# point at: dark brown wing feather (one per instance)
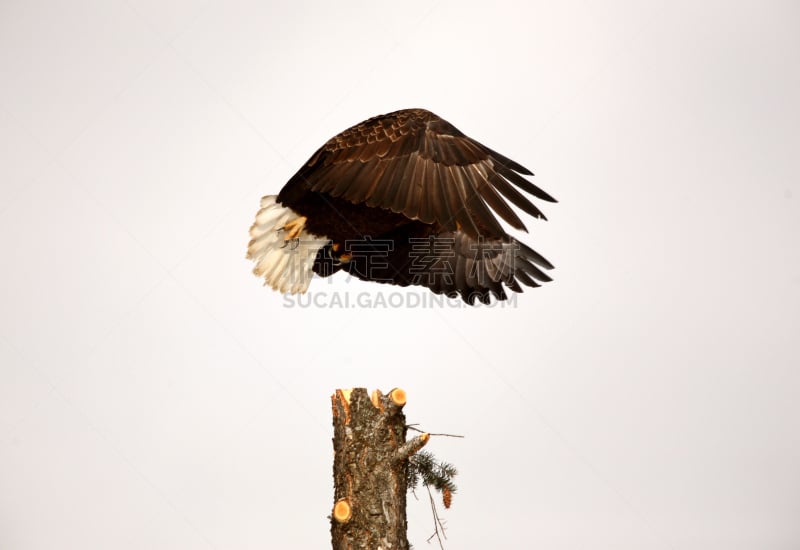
(415, 163)
(456, 265)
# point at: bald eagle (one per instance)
(403, 198)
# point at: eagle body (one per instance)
(403, 198)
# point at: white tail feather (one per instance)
(286, 266)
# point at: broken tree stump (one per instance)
(370, 470)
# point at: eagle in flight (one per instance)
(403, 198)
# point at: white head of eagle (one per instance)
(403, 198)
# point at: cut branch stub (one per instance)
(342, 512)
(398, 397)
(410, 447)
(370, 470)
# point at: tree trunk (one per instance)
(370, 470)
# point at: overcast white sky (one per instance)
(154, 395)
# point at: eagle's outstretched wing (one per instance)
(418, 164)
(455, 264)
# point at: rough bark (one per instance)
(370, 470)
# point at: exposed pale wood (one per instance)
(342, 512)
(398, 397)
